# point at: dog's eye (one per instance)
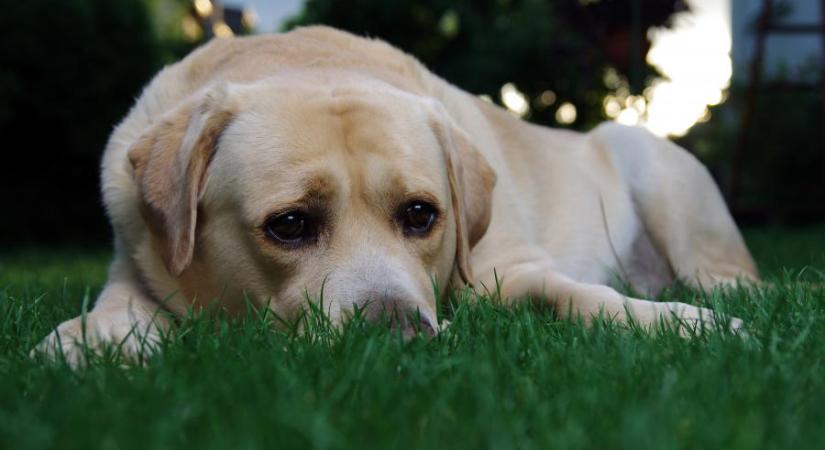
(417, 218)
(292, 228)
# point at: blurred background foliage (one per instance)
(70, 70)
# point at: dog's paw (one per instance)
(692, 320)
(78, 338)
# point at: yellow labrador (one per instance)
(278, 167)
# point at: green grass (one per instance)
(497, 378)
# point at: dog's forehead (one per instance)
(359, 119)
(352, 137)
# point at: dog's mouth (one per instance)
(412, 325)
(409, 322)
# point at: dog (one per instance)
(315, 163)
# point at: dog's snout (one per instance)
(409, 320)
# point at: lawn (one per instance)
(496, 379)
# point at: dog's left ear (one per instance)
(471, 187)
(170, 162)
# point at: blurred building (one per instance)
(211, 18)
(794, 56)
(270, 14)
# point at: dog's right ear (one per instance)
(170, 162)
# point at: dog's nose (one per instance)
(399, 315)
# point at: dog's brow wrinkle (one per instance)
(319, 187)
(341, 107)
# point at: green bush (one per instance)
(479, 45)
(69, 71)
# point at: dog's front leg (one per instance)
(588, 301)
(124, 317)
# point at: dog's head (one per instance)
(357, 196)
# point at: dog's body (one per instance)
(216, 139)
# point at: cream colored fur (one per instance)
(244, 126)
